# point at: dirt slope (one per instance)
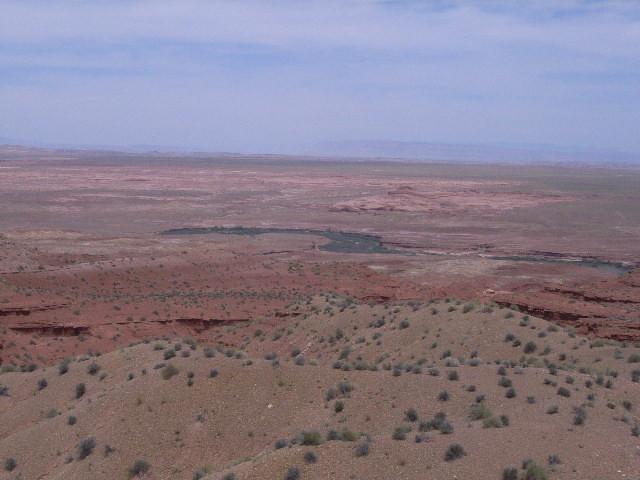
(376, 362)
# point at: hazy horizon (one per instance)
(297, 77)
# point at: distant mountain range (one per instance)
(431, 151)
(389, 150)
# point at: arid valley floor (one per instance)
(262, 317)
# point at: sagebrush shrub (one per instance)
(454, 452)
(85, 447)
(80, 390)
(139, 467)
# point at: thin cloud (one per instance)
(254, 76)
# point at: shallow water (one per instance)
(343, 242)
(613, 267)
(349, 242)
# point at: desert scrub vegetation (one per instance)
(80, 390)
(86, 447)
(93, 368)
(439, 422)
(454, 452)
(580, 415)
(169, 371)
(634, 358)
(139, 468)
(343, 389)
(480, 411)
(411, 415)
(400, 433)
(310, 457)
(345, 435)
(362, 449)
(200, 473)
(10, 464)
(505, 382)
(510, 473)
(443, 396)
(533, 471)
(312, 437)
(293, 473)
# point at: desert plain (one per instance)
(173, 316)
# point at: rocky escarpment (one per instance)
(51, 329)
(607, 309)
(28, 310)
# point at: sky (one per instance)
(288, 75)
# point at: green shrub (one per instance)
(400, 433)
(534, 472)
(479, 411)
(492, 422)
(311, 438)
(634, 358)
(348, 436)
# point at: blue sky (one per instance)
(285, 75)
